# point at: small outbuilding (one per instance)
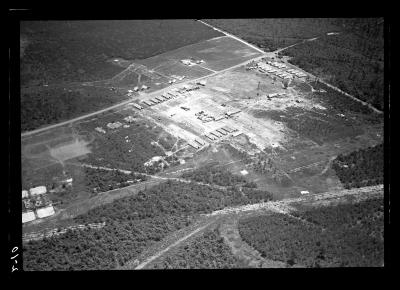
(28, 216)
(45, 211)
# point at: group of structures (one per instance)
(175, 78)
(174, 93)
(36, 204)
(118, 124)
(191, 61)
(221, 132)
(207, 117)
(137, 89)
(197, 143)
(277, 69)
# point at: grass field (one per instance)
(218, 54)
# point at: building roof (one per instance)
(28, 216)
(25, 194)
(45, 211)
(38, 190)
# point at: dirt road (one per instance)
(176, 243)
(245, 251)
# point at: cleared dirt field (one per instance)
(69, 151)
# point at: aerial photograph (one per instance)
(239, 143)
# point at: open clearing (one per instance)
(235, 119)
(69, 151)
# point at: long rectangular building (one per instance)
(221, 131)
(216, 134)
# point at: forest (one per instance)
(363, 167)
(44, 106)
(265, 165)
(346, 235)
(356, 68)
(124, 148)
(214, 174)
(271, 34)
(338, 102)
(69, 51)
(100, 180)
(132, 224)
(205, 252)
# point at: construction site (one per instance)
(220, 107)
(209, 95)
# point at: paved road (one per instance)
(25, 134)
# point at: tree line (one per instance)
(363, 167)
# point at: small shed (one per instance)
(45, 211)
(28, 216)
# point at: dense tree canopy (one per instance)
(363, 167)
(132, 224)
(335, 236)
(206, 252)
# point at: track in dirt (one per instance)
(245, 251)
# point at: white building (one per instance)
(187, 62)
(303, 192)
(136, 89)
(45, 211)
(38, 190)
(28, 216)
(137, 106)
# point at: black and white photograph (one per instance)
(212, 143)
